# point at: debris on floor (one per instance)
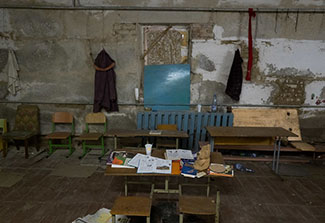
(240, 167)
(103, 215)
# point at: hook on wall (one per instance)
(276, 21)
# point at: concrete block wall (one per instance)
(55, 45)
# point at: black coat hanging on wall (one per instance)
(105, 89)
(235, 78)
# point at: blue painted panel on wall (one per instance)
(167, 87)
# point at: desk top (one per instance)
(147, 133)
(248, 132)
(215, 157)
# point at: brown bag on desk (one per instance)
(203, 158)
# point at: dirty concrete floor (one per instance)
(248, 197)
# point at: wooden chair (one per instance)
(61, 119)
(91, 120)
(133, 206)
(3, 130)
(198, 205)
(27, 127)
(166, 142)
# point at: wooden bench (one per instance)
(285, 118)
(269, 117)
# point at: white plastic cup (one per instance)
(148, 149)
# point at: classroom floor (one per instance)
(39, 196)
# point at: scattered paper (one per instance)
(136, 159)
(177, 154)
(103, 215)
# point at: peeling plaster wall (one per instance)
(277, 56)
(55, 49)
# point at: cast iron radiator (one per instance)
(193, 123)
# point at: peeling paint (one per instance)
(220, 55)
(218, 31)
(289, 91)
(255, 94)
(318, 89)
(309, 2)
(292, 57)
(251, 2)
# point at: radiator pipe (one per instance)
(167, 9)
(191, 105)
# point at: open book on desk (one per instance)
(119, 159)
(121, 162)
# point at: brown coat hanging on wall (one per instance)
(105, 79)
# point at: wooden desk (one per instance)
(273, 133)
(125, 133)
(215, 157)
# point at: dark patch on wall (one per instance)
(291, 91)
(3, 58)
(202, 31)
(125, 32)
(205, 63)
(196, 78)
(208, 89)
(72, 106)
(313, 128)
(3, 89)
(8, 111)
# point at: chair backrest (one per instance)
(96, 119)
(62, 117)
(167, 127)
(27, 118)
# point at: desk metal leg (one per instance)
(217, 207)
(166, 183)
(115, 142)
(208, 187)
(126, 186)
(278, 157)
(212, 143)
(176, 143)
(274, 155)
(166, 189)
